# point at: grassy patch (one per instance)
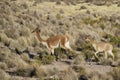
(79, 59)
(113, 39)
(12, 33)
(60, 53)
(3, 66)
(89, 21)
(25, 57)
(47, 59)
(4, 53)
(115, 73)
(4, 75)
(4, 39)
(80, 70)
(24, 71)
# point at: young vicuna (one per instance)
(54, 41)
(99, 47)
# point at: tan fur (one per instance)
(54, 41)
(101, 47)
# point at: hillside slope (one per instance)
(23, 57)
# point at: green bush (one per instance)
(113, 39)
(59, 16)
(60, 53)
(47, 59)
(89, 21)
(102, 25)
(88, 51)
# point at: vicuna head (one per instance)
(89, 39)
(36, 30)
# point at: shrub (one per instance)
(4, 39)
(80, 70)
(39, 72)
(4, 53)
(15, 60)
(36, 62)
(68, 74)
(47, 59)
(115, 73)
(59, 16)
(89, 21)
(98, 76)
(88, 51)
(25, 57)
(113, 39)
(60, 53)
(22, 43)
(24, 71)
(12, 33)
(79, 59)
(31, 41)
(25, 32)
(102, 25)
(4, 75)
(3, 65)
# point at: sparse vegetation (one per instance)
(22, 57)
(47, 59)
(115, 73)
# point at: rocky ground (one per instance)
(23, 57)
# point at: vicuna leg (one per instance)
(96, 55)
(105, 55)
(52, 51)
(110, 52)
(67, 45)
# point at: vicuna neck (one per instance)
(39, 37)
(92, 41)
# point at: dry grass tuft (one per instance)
(115, 73)
(4, 53)
(18, 18)
(3, 66)
(4, 39)
(25, 57)
(25, 32)
(79, 59)
(4, 75)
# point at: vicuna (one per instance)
(54, 42)
(99, 47)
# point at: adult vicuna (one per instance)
(54, 42)
(99, 47)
